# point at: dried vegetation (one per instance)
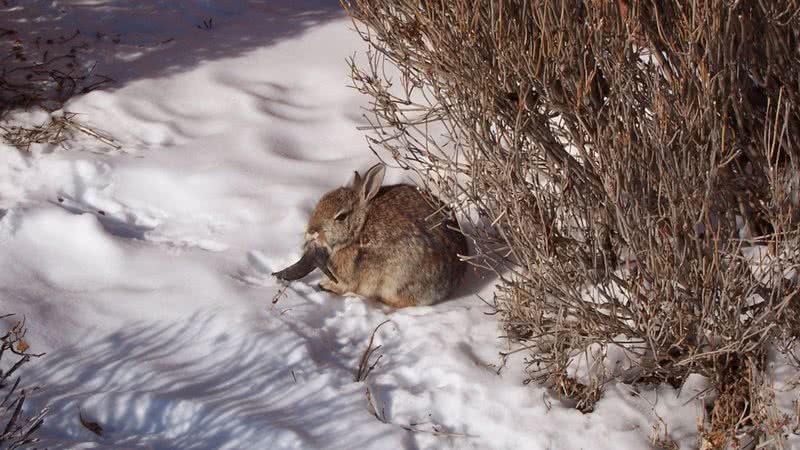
(18, 429)
(43, 73)
(629, 168)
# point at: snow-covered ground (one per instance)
(144, 271)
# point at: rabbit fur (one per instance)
(387, 243)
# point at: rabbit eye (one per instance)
(341, 215)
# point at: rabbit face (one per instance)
(339, 216)
(336, 219)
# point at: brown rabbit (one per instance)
(387, 243)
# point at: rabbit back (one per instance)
(406, 253)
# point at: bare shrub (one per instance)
(629, 168)
(16, 428)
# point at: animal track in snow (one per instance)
(92, 191)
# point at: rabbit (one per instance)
(387, 243)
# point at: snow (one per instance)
(143, 271)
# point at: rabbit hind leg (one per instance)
(399, 301)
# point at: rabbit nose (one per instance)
(316, 238)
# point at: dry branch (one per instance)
(18, 429)
(364, 366)
(43, 74)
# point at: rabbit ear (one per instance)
(355, 183)
(372, 182)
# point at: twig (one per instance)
(364, 368)
(278, 295)
(382, 418)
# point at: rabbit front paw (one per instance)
(331, 286)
